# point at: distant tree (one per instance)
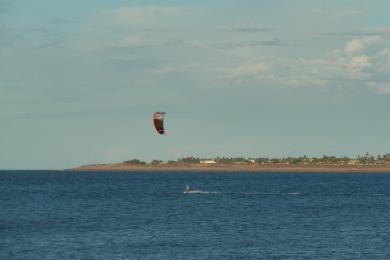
(329, 159)
(224, 160)
(294, 160)
(275, 160)
(156, 162)
(240, 159)
(171, 162)
(365, 159)
(315, 159)
(386, 157)
(371, 159)
(189, 160)
(135, 161)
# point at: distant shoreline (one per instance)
(235, 168)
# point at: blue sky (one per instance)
(79, 80)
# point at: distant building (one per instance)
(207, 161)
(352, 162)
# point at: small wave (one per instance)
(293, 193)
(201, 192)
(271, 193)
(245, 193)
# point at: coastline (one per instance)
(236, 168)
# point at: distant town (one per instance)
(365, 159)
(362, 163)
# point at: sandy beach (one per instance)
(236, 168)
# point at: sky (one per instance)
(79, 80)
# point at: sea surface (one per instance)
(135, 215)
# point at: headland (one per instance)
(300, 164)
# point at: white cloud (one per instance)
(274, 70)
(381, 61)
(358, 45)
(384, 53)
(354, 46)
(359, 63)
(356, 63)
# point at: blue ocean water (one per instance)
(122, 215)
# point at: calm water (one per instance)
(118, 215)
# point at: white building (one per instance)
(353, 162)
(207, 161)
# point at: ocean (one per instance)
(146, 215)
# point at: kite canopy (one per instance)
(158, 122)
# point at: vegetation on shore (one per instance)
(365, 159)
